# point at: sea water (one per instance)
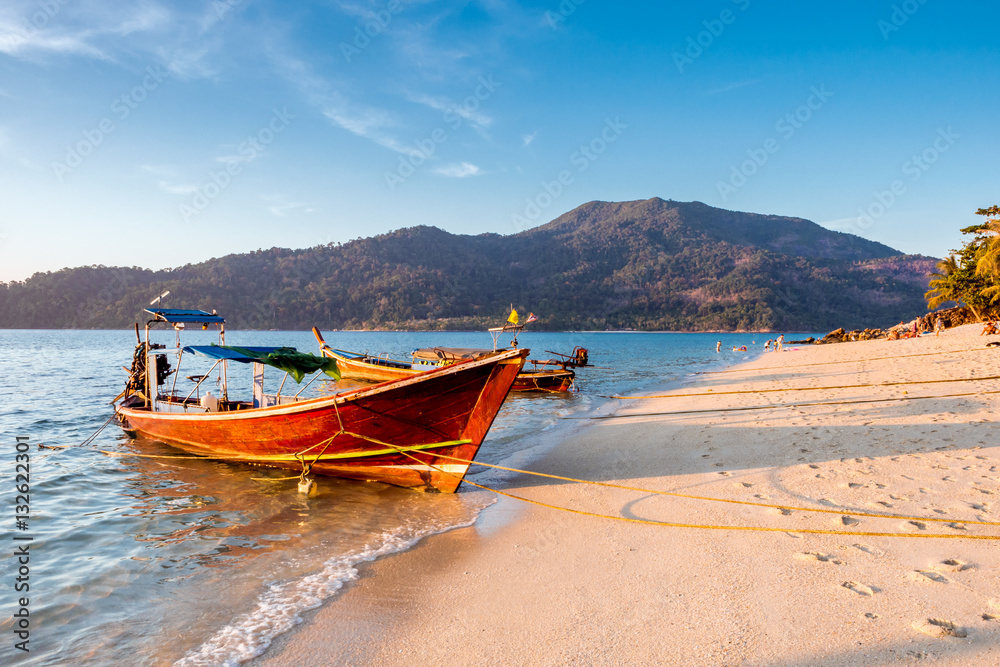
(158, 561)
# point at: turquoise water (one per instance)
(199, 562)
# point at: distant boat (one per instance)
(380, 368)
(398, 432)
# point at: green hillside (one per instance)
(650, 264)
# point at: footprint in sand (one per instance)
(779, 510)
(859, 588)
(869, 550)
(956, 525)
(938, 627)
(898, 497)
(982, 507)
(994, 613)
(885, 504)
(849, 521)
(814, 466)
(919, 524)
(819, 557)
(933, 576)
(871, 615)
(953, 565)
(855, 485)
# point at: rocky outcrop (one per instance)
(841, 336)
(950, 317)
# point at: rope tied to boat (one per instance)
(93, 436)
(724, 500)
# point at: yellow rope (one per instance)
(762, 529)
(788, 405)
(845, 386)
(718, 500)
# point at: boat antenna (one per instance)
(159, 298)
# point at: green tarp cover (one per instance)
(295, 363)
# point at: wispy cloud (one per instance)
(280, 206)
(93, 30)
(180, 189)
(472, 115)
(528, 139)
(368, 123)
(460, 170)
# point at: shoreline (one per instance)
(530, 585)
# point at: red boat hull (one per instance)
(358, 434)
(550, 381)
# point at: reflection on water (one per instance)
(161, 558)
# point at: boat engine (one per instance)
(137, 373)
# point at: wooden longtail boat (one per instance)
(395, 432)
(379, 368)
(357, 366)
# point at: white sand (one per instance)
(530, 585)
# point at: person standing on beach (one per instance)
(767, 345)
(938, 326)
(780, 343)
(718, 346)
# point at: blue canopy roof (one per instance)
(177, 315)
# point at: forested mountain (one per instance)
(650, 264)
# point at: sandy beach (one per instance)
(536, 586)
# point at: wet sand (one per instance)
(532, 585)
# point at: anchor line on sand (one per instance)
(669, 524)
(776, 406)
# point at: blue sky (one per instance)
(160, 133)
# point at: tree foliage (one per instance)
(971, 274)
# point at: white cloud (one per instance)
(181, 189)
(368, 123)
(86, 29)
(528, 139)
(467, 112)
(461, 170)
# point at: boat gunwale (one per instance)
(325, 402)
